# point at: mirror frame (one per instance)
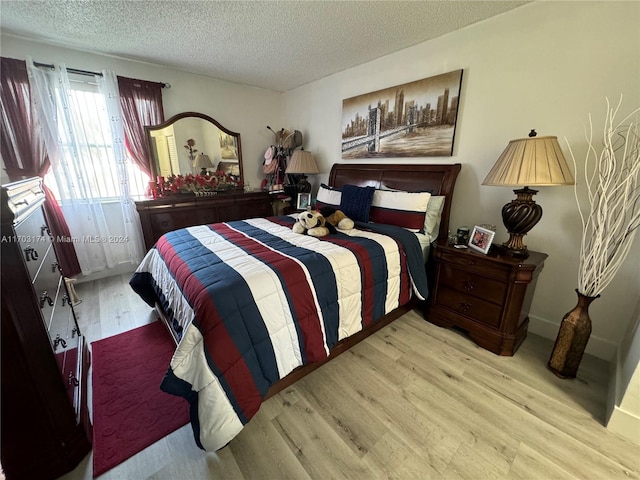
(153, 161)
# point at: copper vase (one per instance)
(572, 339)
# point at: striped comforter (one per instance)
(252, 301)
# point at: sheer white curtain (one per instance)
(78, 129)
(108, 87)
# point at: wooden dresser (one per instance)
(162, 215)
(489, 296)
(46, 429)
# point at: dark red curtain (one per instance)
(24, 154)
(141, 103)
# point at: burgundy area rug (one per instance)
(130, 412)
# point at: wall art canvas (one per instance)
(416, 119)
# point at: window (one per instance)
(94, 149)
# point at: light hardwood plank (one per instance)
(531, 465)
(317, 446)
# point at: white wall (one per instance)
(623, 403)
(545, 65)
(239, 108)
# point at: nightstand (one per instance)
(489, 296)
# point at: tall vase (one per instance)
(572, 339)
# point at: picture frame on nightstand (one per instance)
(304, 201)
(480, 239)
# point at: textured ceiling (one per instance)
(277, 45)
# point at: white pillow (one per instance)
(402, 209)
(328, 196)
(433, 216)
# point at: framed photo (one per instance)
(480, 239)
(304, 201)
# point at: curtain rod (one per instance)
(84, 72)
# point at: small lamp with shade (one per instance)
(204, 162)
(302, 162)
(533, 161)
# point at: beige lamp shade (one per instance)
(302, 161)
(533, 161)
(202, 161)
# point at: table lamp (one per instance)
(302, 162)
(532, 161)
(202, 161)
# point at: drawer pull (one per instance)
(59, 341)
(164, 223)
(45, 298)
(72, 380)
(468, 286)
(472, 262)
(30, 253)
(465, 307)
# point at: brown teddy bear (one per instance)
(320, 223)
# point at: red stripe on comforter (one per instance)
(300, 295)
(218, 344)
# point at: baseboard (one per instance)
(625, 424)
(598, 347)
(120, 269)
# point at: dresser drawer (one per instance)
(253, 206)
(473, 284)
(477, 264)
(33, 229)
(170, 220)
(61, 325)
(66, 341)
(33, 237)
(472, 307)
(46, 285)
(68, 363)
(48, 270)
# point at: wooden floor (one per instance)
(412, 401)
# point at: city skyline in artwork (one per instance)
(416, 119)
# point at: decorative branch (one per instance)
(611, 221)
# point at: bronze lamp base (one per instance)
(519, 217)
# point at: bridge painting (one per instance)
(416, 119)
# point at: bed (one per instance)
(253, 306)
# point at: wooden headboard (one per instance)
(436, 179)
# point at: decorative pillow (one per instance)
(432, 218)
(356, 202)
(328, 197)
(402, 209)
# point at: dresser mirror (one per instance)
(179, 144)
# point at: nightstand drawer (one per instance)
(471, 262)
(472, 284)
(473, 307)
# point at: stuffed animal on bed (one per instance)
(320, 223)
